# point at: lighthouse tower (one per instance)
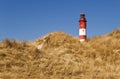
(82, 27)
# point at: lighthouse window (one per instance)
(83, 30)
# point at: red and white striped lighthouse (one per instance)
(82, 27)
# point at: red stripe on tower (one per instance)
(82, 27)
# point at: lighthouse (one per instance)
(82, 27)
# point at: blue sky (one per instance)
(31, 19)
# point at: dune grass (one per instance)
(61, 56)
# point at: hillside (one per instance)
(58, 55)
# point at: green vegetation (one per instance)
(61, 56)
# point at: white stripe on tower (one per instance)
(82, 28)
(82, 31)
